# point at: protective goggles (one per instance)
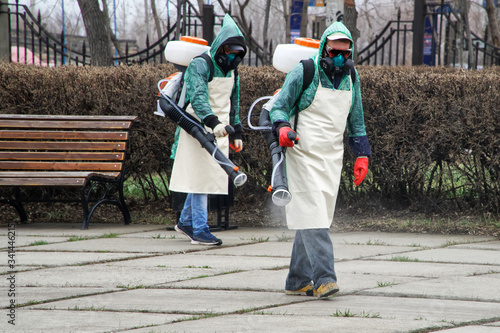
(333, 53)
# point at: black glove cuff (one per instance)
(211, 121)
(237, 133)
(278, 124)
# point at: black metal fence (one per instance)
(390, 46)
(31, 43)
(393, 45)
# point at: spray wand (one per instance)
(207, 140)
(281, 196)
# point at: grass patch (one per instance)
(385, 284)
(75, 238)
(404, 258)
(260, 239)
(284, 238)
(41, 242)
(348, 313)
(110, 235)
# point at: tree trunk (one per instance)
(493, 22)
(304, 19)
(112, 36)
(464, 10)
(97, 33)
(267, 55)
(350, 21)
(156, 18)
(179, 14)
(286, 16)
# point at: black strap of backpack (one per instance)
(308, 65)
(209, 63)
(210, 75)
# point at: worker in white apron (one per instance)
(216, 105)
(314, 160)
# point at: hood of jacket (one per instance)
(228, 34)
(334, 27)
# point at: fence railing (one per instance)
(31, 43)
(393, 45)
(390, 46)
(483, 53)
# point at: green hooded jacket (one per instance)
(197, 75)
(283, 108)
(198, 72)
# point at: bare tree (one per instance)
(265, 30)
(304, 19)
(493, 22)
(350, 21)
(246, 27)
(156, 19)
(97, 28)
(112, 36)
(286, 15)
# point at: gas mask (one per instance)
(336, 65)
(228, 62)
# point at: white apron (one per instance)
(314, 165)
(194, 170)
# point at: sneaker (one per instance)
(185, 230)
(306, 291)
(326, 289)
(205, 238)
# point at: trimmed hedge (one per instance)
(434, 132)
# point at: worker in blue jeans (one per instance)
(194, 216)
(215, 103)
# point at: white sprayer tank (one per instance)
(181, 52)
(286, 56)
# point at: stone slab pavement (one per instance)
(148, 279)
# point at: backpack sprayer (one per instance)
(167, 107)
(285, 57)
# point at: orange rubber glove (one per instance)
(287, 136)
(360, 169)
(237, 146)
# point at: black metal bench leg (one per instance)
(123, 206)
(85, 204)
(23, 217)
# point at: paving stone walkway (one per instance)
(145, 278)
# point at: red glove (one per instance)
(287, 136)
(237, 145)
(360, 170)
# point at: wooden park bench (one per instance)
(85, 152)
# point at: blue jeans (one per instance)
(195, 212)
(312, 259)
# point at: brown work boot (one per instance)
(306, 291)
(326, 289)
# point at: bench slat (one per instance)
(57, 156)
(66, 117)
(73, 146)
(63, 135)
(50, 124)
(56, 174)
(33, 181)
(60, 166)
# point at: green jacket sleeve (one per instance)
(234, 115)
(196, 78)
(355, 120)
